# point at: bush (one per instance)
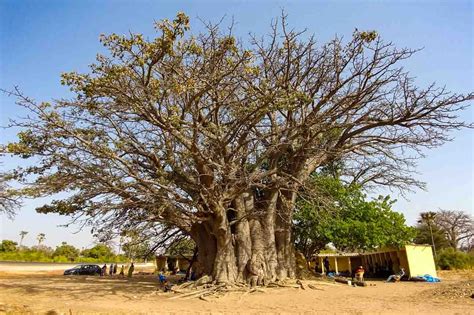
(25, 255)
(449, 259)
(68, 252)
(63, 254)
(8, 246)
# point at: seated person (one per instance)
(316, 266)
(359, 273)
(396, 277)
(162, 277)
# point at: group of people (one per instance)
(376, 271)
(113, 270)
(359, 275)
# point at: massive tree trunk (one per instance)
(247, 243)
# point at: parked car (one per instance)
(89, 270)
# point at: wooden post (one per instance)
(322, 265)
(335, 264)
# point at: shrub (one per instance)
(8, 246)
(68, 252)
(449, 259)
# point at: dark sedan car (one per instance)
(89, 270)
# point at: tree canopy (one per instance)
(423, 236)
(343, 215)
(214, 137)
(8, 246)
(457, 226)
(98, 251)
(9, 203)
(450, 228)
(66, 250)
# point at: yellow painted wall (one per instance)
(343, 264)
(420, 260)
(332, 263)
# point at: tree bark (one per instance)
(255, 245)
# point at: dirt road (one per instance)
(36, 268)
(83, 295)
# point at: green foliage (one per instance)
(137, 250)
(423, 236)
(450, 258)
(8, 246)
(26, 255)
(64, 253)
(68, 252)
(183, 247)
(342, 215)
(135, 245)
(99, 251)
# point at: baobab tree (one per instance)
(212, 137)
(9, 203)
(457, 226)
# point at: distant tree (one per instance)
(468, 245)
(41, 237)
(182, 247)
(135, 251)
(135, 246)
(99, 251)
(424, 236)
(66, 250)
(8, 246)
(46, 250)
(458, 227)
(343, 215)
(428, 218)
(22, 237)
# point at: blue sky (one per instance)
(41, 39)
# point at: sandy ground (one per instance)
(50, 293)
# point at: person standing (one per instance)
(130, 270)
(111, 270)
(326, 264)
(115, 269)
(104, 270)
(122, 271)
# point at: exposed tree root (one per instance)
(300, 283)
(191, 290)
(314, 287)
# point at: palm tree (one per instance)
(428, 218)
(22, 236)
(41, 237)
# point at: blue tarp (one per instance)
(429, 278)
